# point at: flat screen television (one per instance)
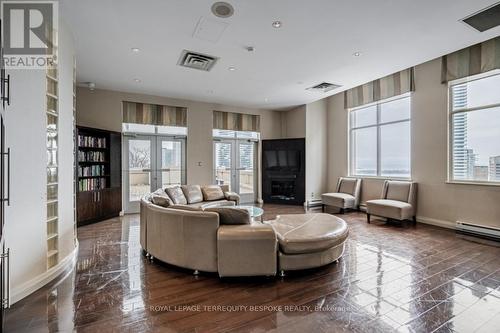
(277, 160)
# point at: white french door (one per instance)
(151, 162)
(234, 165)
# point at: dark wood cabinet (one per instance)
(98, 174)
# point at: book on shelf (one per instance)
(91, 184)
(91, 142)
(91, 156)
(91, 171)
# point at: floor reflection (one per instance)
(391, 278)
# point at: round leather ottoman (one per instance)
(309, 240)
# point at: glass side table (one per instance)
(255, 212)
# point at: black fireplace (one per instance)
(283, 171)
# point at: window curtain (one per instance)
(152, 114)
(236, 121)
(476, 59)
(386, 87)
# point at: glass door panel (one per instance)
(152, 162)
(171, 161)
(246, 172)
(224, 168)
(139, 168)
(234, 165)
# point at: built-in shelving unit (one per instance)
(52, 112)
(98, 174)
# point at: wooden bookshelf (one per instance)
(98, 174)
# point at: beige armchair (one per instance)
(346, 196)
(398, 202)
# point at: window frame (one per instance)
(449, 177)
(377, 125)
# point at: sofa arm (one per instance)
(232, 196)
(246, 250)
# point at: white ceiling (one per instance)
(315, 44)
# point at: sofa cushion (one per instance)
(161, 198)
(231, 216)
(186, 207)
(393, 209)
(398, 191)
(192, 193)
(176, 194)
(348, 186)
(308, 233)
(212, 192)
(232, 196)
(217, 203)
(340, 200)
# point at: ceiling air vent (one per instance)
(202, 62)
(324, 87)
(485, 19)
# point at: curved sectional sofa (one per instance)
(211, 236)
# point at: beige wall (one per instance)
(293, 123)
(316, 149)
(103, 109)
(438, 202)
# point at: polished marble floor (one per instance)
(391, 278)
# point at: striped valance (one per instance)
(388, 86)
(236, 121)
(152, 114)
(476, 59)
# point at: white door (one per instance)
(234, 165)
(150, 162)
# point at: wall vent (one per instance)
(485, 19)
(324, 87)
(195, 60)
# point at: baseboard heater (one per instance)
(313, 203)
(478, 230)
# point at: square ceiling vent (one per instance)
(324, 87)
(195, 60)
(485, 19)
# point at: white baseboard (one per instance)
(36, 283)
(436, 222)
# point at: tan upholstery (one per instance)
(246, 250)
(216, 203)
(192, 193)
(399, 201)
(306, 233)
(183, 238)
(346, 196)
(212, 192)
(309, 240)
(176, 194)
(232, 196)
(292, 262)
(161, 198)
(189, 237)
(228, 215)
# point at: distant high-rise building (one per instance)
(463, 160)
(481, 172)
(494, 173)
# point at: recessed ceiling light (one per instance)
(138, 80)
(135, 49)
(356, 54)
(266, 99)
(277, 24)
(232, 68)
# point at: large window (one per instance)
(475, 129)
(380, 139)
